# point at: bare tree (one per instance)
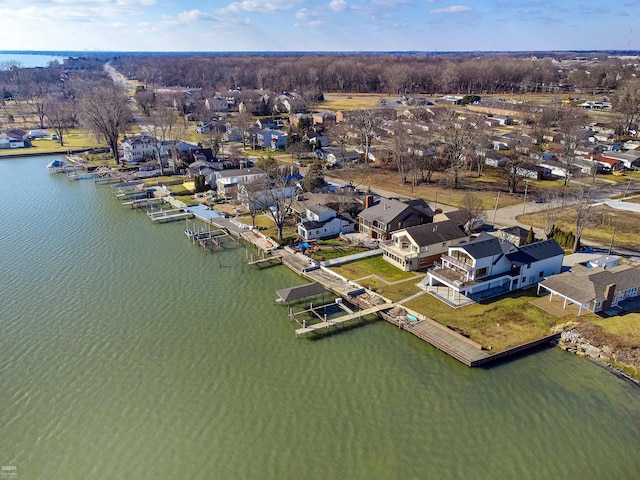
(60, 115)
(460, 136)
(401, 154)
(585, 212)
(472, 211)
(570, 124)
(105, 111)
(366, 124)
(278, 193)
(627, 103)
(551, 211)
(168, 130)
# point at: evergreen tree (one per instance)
(530, 237)
(315, 177)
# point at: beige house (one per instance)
(418, 247)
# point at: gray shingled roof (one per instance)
(535, 252)
(485, 246)
(297, 293)
(385, 211)
(583, 284)
(433, 233)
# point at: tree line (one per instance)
(376, 73)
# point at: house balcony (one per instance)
(393, 249)
(465, 267)
(458, 281)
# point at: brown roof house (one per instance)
(418, 247)
(378, 220)
(594, 289)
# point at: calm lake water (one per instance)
(29, 60)
(126, 352)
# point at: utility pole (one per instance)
(495, 209)
(524, 204)
(629, 184)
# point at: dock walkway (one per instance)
(345, 318)
(452, 343)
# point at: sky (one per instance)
(320, 25)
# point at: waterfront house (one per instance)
(594, 288)
(321, 221)
(379, 219)
(139, 148)
(489, 266)
(418, 247)
(227, 180)
(13, 138)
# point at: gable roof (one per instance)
(386, 210)
(319, 209)
(486, 245)
(584, 284)
(433, 233)
(535, 252)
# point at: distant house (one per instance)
(630, 159)
(489, 266)
(217, 104)
(594, 289)
(139, 148)
(271, 139)
(378, 220)
(516, 235)
(418, 247)
(323, 222)
(233, 134)
(13, 139)
(202, 167)
(337, 156)
(324, 120)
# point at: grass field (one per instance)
(627, 225)
(370, 266)
(501, 323)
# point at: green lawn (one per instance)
(369, 266)
(501, 323)
(395, 292)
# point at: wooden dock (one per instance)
(143, 202)
(345, 318)
(452, 343)
(171, 215)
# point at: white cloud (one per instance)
(303, 13)
(315, 22)
(338, 5)
(194, 16)
(258, 6)
(452, 9)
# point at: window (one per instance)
(481, 272)
(541, 274)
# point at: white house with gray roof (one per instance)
(322, 222)
(489, 266)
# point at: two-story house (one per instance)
(139, 148)
(489, 266)
(421, 246)
(227, 180)
(321, 221)
(378, 220)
